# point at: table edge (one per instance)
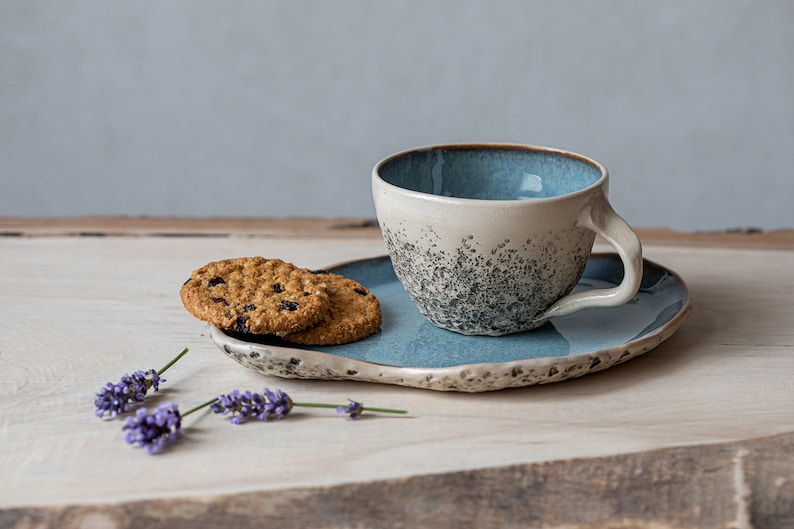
(332, 228)
(712, 485)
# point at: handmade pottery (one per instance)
(410, 351)
(489, 239)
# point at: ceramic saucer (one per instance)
(410, 351)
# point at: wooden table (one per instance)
(697, 433)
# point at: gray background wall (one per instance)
(281, 108)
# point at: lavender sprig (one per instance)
(114, 399)
(274, 405)
(154, 431)
(353, 409)
(265, 406)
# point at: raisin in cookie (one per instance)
(354, 314)
(256, 295)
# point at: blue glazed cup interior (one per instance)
(497, 172)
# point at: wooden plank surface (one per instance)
(327, 228)
(188, 227)
(697, 433)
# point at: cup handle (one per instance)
(603, 220)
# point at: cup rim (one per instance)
(601, 182)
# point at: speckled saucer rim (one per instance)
(289, 362)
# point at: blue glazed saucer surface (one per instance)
(410, 351)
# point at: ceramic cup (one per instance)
(490, 239)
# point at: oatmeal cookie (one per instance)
(256, 295)
(354, 314)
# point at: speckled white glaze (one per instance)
(489, 260)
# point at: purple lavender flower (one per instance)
(353, 410)
(114, 399)
(154, 431)
(240, 406)
(265, 406)
(278, 404)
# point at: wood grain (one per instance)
(188, 227)
(697, 433)
(732, 485)
(327, 228)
